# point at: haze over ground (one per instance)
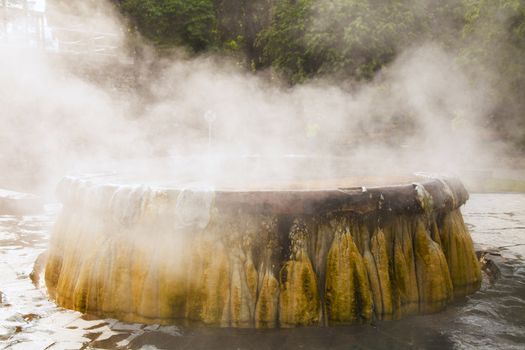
(422, 111)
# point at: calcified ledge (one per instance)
(261, 258)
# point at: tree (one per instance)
(494, 41)
(168, 23)
(238, 24)
(283, 43)
(354, 37)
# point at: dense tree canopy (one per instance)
(494, 39)
(305, 38)
(174, 22)
(349, 39)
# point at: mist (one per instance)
(420, 113)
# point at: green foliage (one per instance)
(354, 38)
(173, 22)
(284, 45)
(494, 39)
(239, 22)
(351, 39)
(358, 37)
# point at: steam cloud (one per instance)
(421, 113)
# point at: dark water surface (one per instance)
(493, 318)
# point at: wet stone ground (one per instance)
(493, 318)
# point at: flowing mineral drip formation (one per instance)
(260, 259)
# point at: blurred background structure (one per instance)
(33, 24)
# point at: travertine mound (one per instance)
(261, 258)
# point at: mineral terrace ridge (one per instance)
(261, 258)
